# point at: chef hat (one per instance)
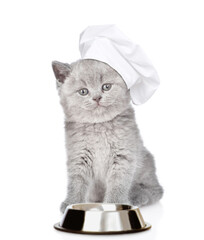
(108, 44)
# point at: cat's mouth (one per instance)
(98, 106)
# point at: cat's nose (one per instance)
(97, 99)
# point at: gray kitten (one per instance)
(107, 161)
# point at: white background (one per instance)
(32, 157)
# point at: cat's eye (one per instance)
(83, 91)
(106, 87)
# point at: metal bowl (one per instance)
(102, 218)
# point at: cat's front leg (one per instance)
(78, 182)
(119, 181)
(76, 191)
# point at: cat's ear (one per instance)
(61, 71)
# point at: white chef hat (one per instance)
(108, 44)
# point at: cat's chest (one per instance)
(101, 140)
(95, 144)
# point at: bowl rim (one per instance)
(131, 207)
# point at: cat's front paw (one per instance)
(116, 199)
(140, 201)
(63, 206)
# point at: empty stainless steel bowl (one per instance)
(102, 218)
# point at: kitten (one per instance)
(107, 161)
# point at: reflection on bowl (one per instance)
(102, 218)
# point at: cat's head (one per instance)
(90, 91)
